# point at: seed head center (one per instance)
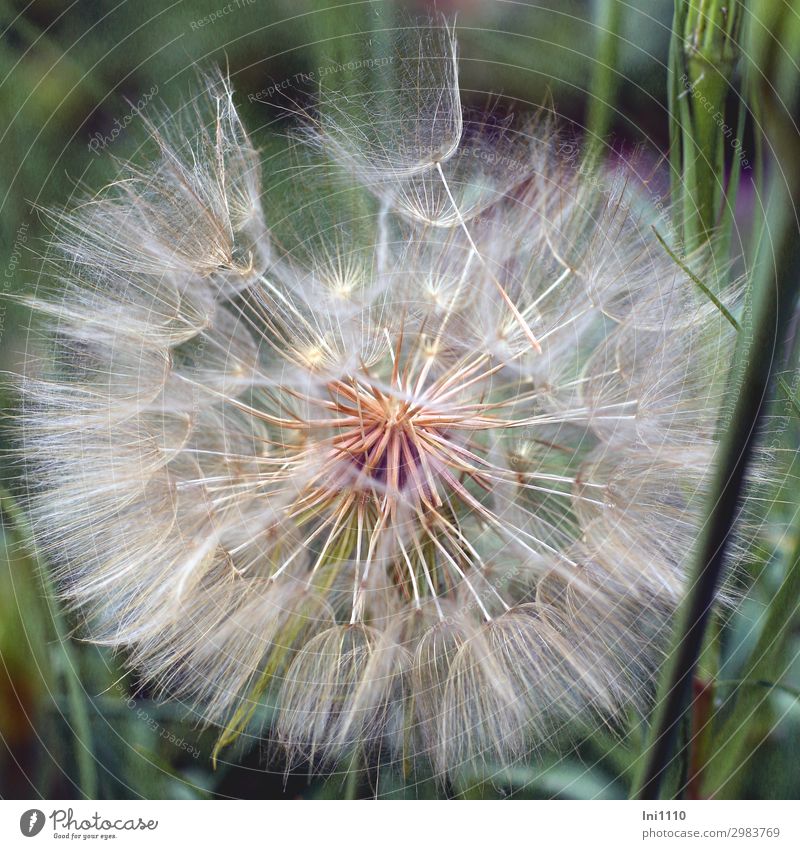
(383, 442)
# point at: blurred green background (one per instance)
(72, 723)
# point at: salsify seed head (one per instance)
(421, 463)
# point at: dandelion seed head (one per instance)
(430, 493)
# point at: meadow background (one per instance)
(701, 94)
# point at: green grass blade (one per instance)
(76, 696)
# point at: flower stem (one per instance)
(724, 770)
(775, 287)
(773, 299)
(703, 55)
(606, 76)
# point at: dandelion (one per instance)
(430, 490)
